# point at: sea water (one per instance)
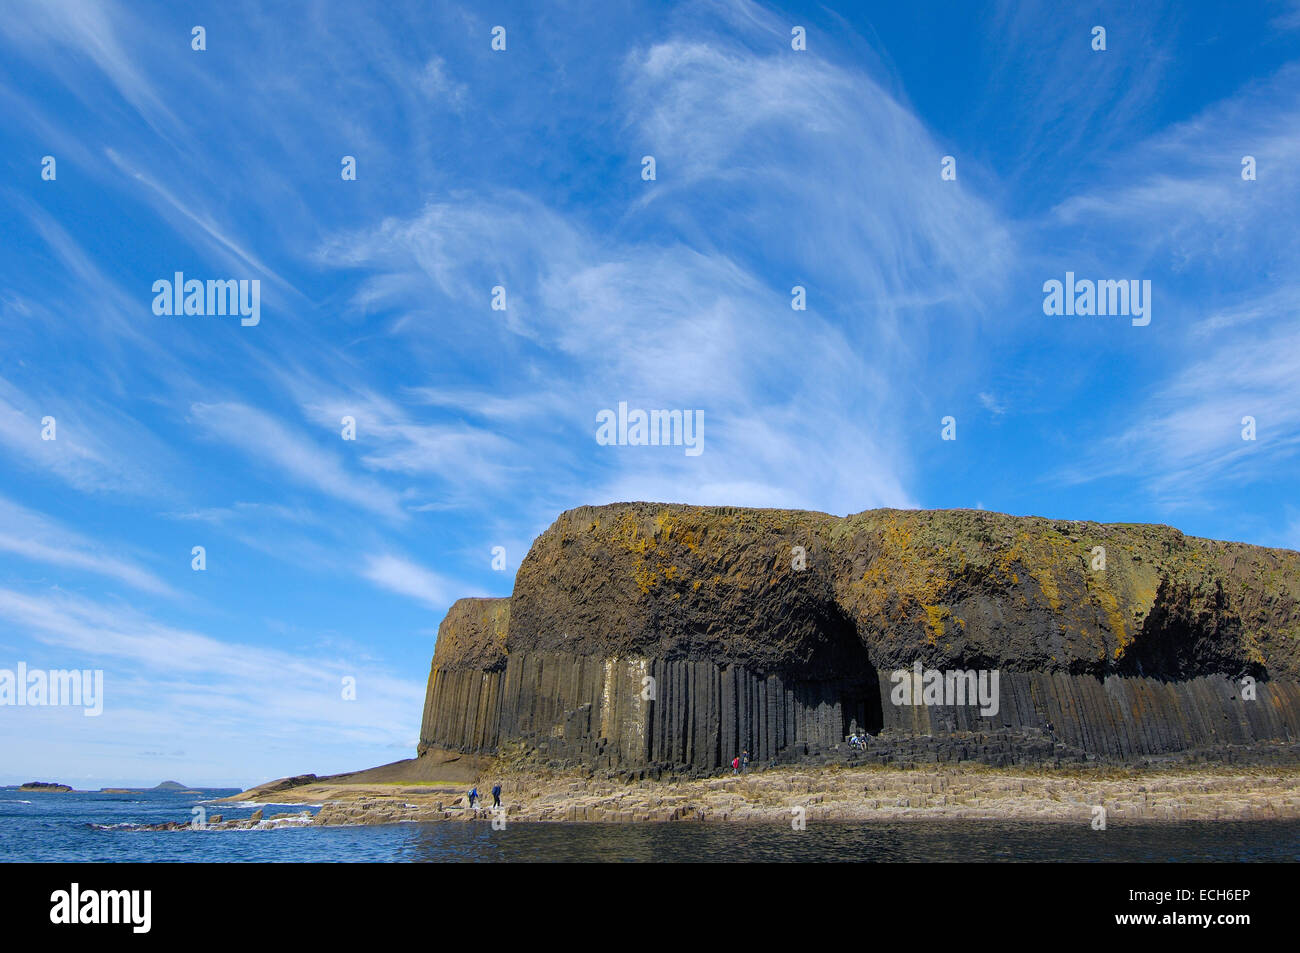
(101, 827)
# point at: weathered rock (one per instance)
(676, 637)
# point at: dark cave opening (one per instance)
(840, 671)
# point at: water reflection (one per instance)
(893, 842)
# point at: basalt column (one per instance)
(664, 636)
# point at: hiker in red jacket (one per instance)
(735, 765)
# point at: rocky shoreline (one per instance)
(830, 793)
(217, 822)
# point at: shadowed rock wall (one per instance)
(575, 709)
(672, 636)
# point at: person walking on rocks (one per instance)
(744, 760)
(496, 794)
(473, 796)
(735, 765)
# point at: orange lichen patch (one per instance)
(934, 617)
(907, 580)
(1115, 617)
(1043, 555)
(645, 579)
(1047, 583)
(626, 534)
(1098, 584)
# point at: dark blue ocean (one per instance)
(97, 827)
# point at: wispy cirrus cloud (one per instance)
(1188, 434)
(1182, 209)
(95, 448)
(50, 30)
(288, 452)
(212, 688)
(407, 578)
(32, 536)
(675, 325)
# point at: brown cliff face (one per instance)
(682, 582)
(963, 588)
(473, 635)
(776, 630)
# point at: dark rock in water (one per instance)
(45, 786)
(217, 823)
(281, 784)
(676, 637)
(171, 786)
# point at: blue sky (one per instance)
(521, 168)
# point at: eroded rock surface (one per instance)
(678, 637)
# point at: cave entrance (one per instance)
(861, 705)
(841, 676)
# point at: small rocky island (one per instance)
(173, 787)
(45, 786)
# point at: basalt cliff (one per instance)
(654, 637)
